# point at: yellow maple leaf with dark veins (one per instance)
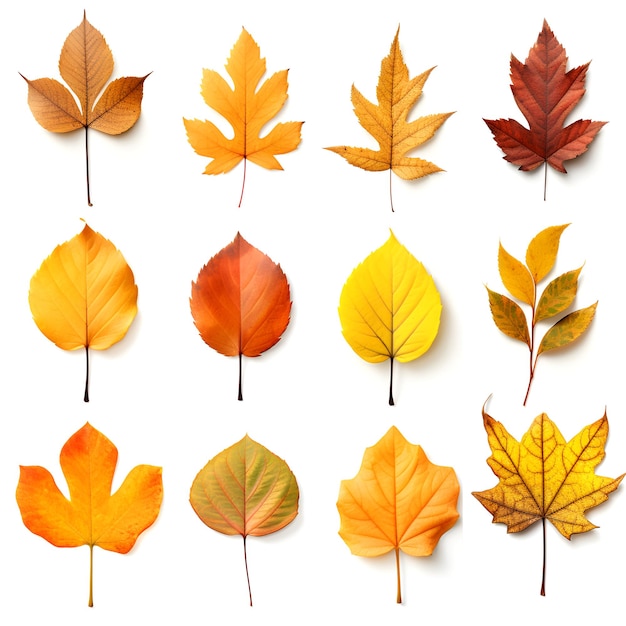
(387, 122)
(247, 109)
(543, 477)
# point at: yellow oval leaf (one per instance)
(84, 294)
(516, 277)
(542, 250)
(509, 317)
(389, 307)
(558, 295)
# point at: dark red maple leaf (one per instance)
(546, 94)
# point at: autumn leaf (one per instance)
(92, 516)
(245, 490)
(390, 308)
(388, 124)
(522, 282)
(543, 477)
(546, 94)
(84, 295)
(399, 500)
(247, 108)
(240, 302)
(86, 64)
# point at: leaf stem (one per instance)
(390, 194)
(86, 398)
(399, 591)
(87, 164)
(243, 184)
(240, 395)
(245, 558)
(532, 346)
(543, 569)
(90, 575)
(545, 179)
(391, 402)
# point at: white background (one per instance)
(165, 398)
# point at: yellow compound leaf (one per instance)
(248, 108)
(522, 281)
(92, 516)
(84, 294)
(245, 490)
(399, 500)
(543, 477)
(388, 124)
(389, 307)
(86, 64)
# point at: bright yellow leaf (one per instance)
(248, 108)
(389, 307)
(387, 122)
(543, 477)
(542, 250)
(399, 500)
(84, 294)
(516, 277)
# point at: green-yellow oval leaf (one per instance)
(568, 329)
(245, 490)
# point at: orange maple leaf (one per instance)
(86, 64)
(399, 500)
(92, 516)
(240, 302)
(387, 122)
(247, 109)
(546, 94)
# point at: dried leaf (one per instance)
(399, 500)
(245, 490)
(389, 307)
(92, 516)
(247, 108)
(84, 295)
(240, 302)
(86, 64)
(387, 122)
(546, 94)
(543, 477)
(522, 282)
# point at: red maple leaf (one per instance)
(546, 94)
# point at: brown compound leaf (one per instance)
(86, 64)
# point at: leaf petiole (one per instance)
(399, 591)
(87, 164)
(86, 397)
(245, 558)
(90, 575)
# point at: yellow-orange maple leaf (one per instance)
(387, 122)
(92, 516)
(247, 108)
(543, 477)
(399, 500)
(86, 64)
(84, 295)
